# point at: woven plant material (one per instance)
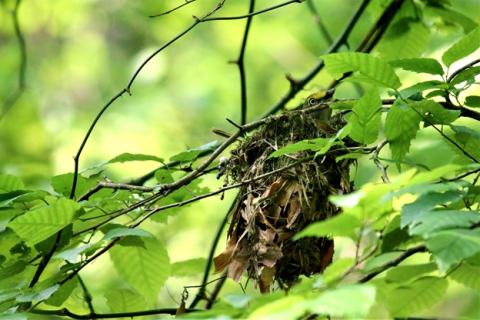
(270, 211)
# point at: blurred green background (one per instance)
(82, 52)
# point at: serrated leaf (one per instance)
(472, 101)
(468, 75)
(125, 300)
(419, 65)
(467, 274)
(124, 232)
(406, 38)
(420, 87)
(434, 113)
(462, 48)
(10, 183)
(366, 118)
(432, 221)
(126, 157)
(188, 268)
(37, 225)
(145, 268)
(424, 203)
(287, 308)
(416, 296)
(366, 65)
(62, 294)
(193, 154)
(347, 301)
(402, 274)
(450, 247)
(342, 225)
(401, 126)
(469, 140)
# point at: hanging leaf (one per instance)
(125, 300)
(366, 118)
(472, 101)
(416, 296)
(401, 126)
(450, 247)
(467, 274)
(127, 157)
(419, 65)
(145, 268)
(462, 48)
(37, 225)
(366, 65)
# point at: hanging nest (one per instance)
(270, 211)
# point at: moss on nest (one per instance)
(270, 211)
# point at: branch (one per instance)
(86, 294)
(321, 26)
(393, 262)
(67, 313)
(173, 9)
(469, 65)
(241, 66)
(12, 99)
(201, 292)
(299, 84)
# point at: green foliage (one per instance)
(409, 228)
(369, 67)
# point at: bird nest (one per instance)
(271, 210)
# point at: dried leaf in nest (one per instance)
(272, 210)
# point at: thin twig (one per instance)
(298, 85)
(318, 20)
(393, 262)
(13, 98)
(241, 66)
(201, 292)
(67, 313)
(86, 294)
(173, 9)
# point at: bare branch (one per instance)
(12, 99)
(321, 26)
(173, 9)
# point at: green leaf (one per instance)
(125, 300)
(145, 268)
(462, 48)
(376, 262)
(62, 294)
(469, 141)
(402, 274)
(406, 38)
(342, 225)
(421, 87)
(238, 301)
(450, 247)
(287, 308)
(188, 268)
(193, 154)
(468, 75)
(366, 65)
(452, 16)
(416, 296)
(434, 113)
(366, 118)
(425, 203)
(37, 225)
(347, 301)
(10, 183)
(419, 65)
(473, 101)
(432, 221)
(401, 126)
(337, 268)
(63, 184)
(126, 157)
(37, 296)
(467, 274)
(313, 144)
(124, 231)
